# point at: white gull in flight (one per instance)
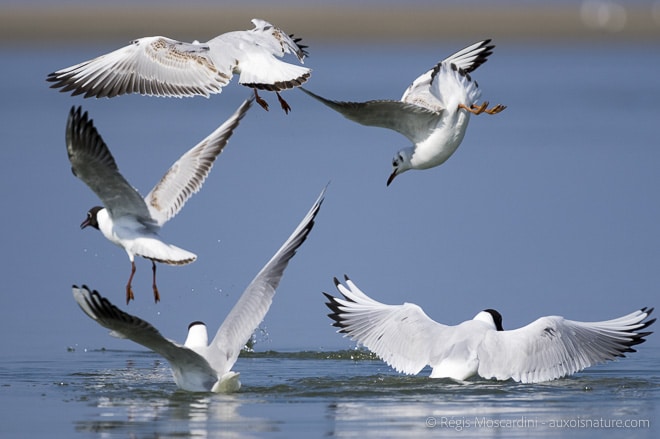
(196, 365)
(549, 348)
(161, 66)
(433, 112)
(127, 219)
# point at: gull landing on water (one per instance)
(128, 220)
(161, 66)
(196, 365)
(433, 112)
(548, 348)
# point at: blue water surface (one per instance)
(550, 207)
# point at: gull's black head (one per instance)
(92, 219)
(197, 336)
(195, 323)
(497, 318)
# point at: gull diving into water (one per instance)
(161, 66)
(196, 365)
(128, 220)
(549, 348)
(433, 112)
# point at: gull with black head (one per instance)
(199, 366)
(126, 218)
(549, 348)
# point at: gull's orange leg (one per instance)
(496, 109)
(129, 289)
(483, 108)
(473, 108)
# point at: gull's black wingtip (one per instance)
(335, 315)
(301, 47)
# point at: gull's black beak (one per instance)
(87, 222)
(391, 177)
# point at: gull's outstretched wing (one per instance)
(255, 301)
(470, 58)
(466, 60)
(125, 325)
(187, 174)
(154, 66)
(276, 40)
(401, 335)
(413, 121)
(92, 162)
(553, 347)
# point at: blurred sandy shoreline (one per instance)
(32, 25)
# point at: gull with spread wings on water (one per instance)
(549, 348)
